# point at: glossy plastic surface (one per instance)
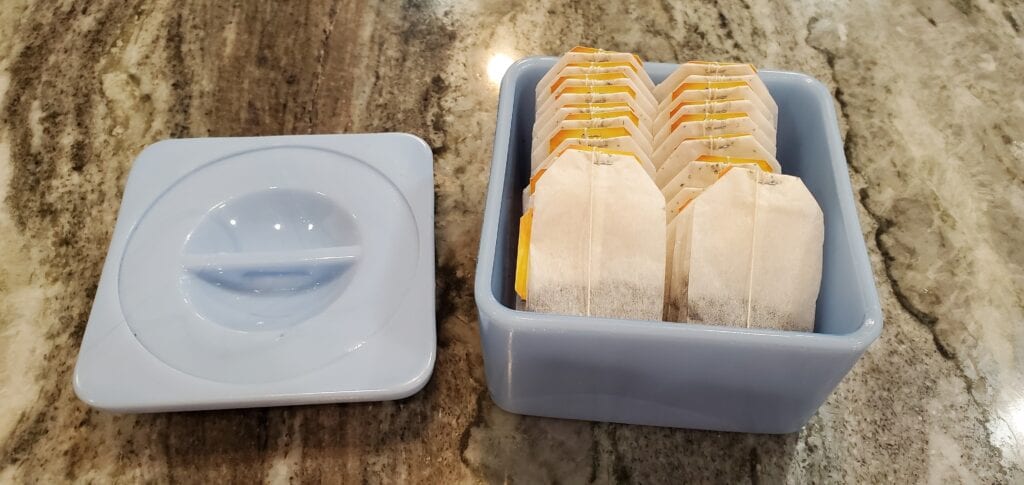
(669, 374)
(259, 271)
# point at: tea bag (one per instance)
(620, 96)
(705, 170)
(711, 124)
(703, 83)
(715, 91)
(752, 257)
(565, 81)
(528, 191)
(700, 68)
(690, 109)
(712, 259)
(675, 205)
(596, 238)
(590, 121)
(677, 265)
(527, 199)
(697, 176)
(623, 138)
(584, 111)
(523, 254)
(596, 91)
(785, 270)
(588, 76)
(738, 146)
(585, 56)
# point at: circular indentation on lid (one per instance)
(316, 262)
(270, 259)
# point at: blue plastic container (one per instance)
(673, 374)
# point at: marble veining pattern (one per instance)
(932, 111)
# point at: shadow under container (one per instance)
(675, 374)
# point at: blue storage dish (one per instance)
(676, 374)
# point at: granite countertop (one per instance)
(931, 107)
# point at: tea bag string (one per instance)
(753, 242)
(714, 145)
(590, 230)
(586, 81)
(712, 92)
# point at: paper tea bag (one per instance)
(638, 72)
(687, 110)
(588, 76)
(700, 68)
(590, 121)
(596, 91)
(705, 170)
(623, 144)
(718, 91)
(623, 138)
(565, 81)
(588, 111)
(700, 83)
(601, 97)
(681, 198)
(676, 223)
(785, 271)
(713, 260)
(677, 266)
(691, 182)
(738, 146)
(530, 188)
(584, 56)
(596, 239)
(709, 124)
(753, 254)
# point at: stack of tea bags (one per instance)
(742, 242)
(592, 239)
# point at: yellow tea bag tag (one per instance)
(523, 254)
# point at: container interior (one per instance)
(802, 151)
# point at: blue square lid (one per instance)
(265, 271)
